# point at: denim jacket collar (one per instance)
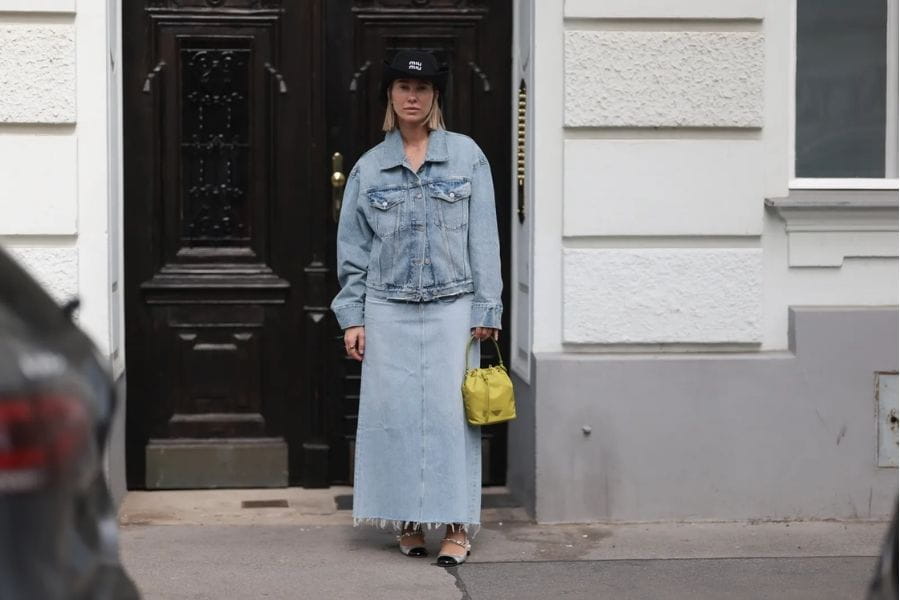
(393, 155)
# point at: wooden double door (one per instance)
(234, 111)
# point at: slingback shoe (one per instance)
(416, 550)
(451, 560)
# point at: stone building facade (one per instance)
(698, 328)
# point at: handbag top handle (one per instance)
(496, 345)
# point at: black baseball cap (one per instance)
(413, 64)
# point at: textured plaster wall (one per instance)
(38, 166)
(55, 268)
(663, 79)
(37, 73)
(54, 160)
(662, 288)
(662, 295)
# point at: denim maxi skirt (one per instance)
(417, 458)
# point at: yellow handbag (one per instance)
(488, 392)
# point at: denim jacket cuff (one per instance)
(485, 314)
(349, 315)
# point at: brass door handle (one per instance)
(337, 185)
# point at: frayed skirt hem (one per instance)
(471, 529)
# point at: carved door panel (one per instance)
(224, 272)
(473, 37)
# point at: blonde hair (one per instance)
(433, 120)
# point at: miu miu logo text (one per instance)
(415, 65)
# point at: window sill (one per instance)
(847, 183)
(825, 226)
(835, 199)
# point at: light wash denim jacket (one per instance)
(418, 236)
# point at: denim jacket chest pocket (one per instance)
(386, 214)
(450, 202)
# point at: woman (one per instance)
(419, 269)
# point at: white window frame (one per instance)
(891, 122)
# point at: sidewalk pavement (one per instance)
(203, 544)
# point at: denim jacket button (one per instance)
(427, 261)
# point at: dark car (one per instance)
(58, 533)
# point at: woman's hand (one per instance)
(355, 342)
(483, 333)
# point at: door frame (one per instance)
(313, 422)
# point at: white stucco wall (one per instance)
(39, 179)
(663, 285)
(38, 7)
(658, 187)
(663, 128)
(38, 145)
(663, 295)
(665, 9)
(663, 78)
(546, 165)
(37, 63)
(55, 152)
(856, 282)
(60, 165)
(54, 268)
(521, 284)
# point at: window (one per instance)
(846, 94)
